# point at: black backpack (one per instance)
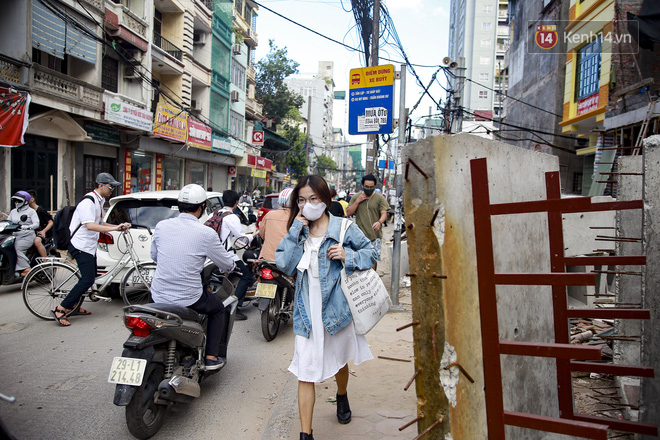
(62, 235)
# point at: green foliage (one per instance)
(324, 164)
(296, 157)
(270, 89)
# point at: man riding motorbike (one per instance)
(27, 217)
(180, 246)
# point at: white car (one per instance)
(144, 209)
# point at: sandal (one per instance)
(62, 318)
(81, 311)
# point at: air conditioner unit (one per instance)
(196, 105)
(199, 38)
(235, 96)
(130, 72)
(134, 55)
(236, 49)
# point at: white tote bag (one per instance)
(365, 292)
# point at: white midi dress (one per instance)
(322, 355)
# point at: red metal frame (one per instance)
(566, 355)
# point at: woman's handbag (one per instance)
(365, 292)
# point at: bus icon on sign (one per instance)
(355, 79)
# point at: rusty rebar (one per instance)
(437, 275)
(407, 325)
(615, 238)
(416, 419)
(406, 175)
(412, 379)
(617, 272)
(412, 274)
(435, 324)
(461, 369)
(412, 162)
(410, 226)
(426, 431)
(602, 227)
(393, 359)
(435, 215)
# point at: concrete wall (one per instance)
(650, 394)
(520, 245)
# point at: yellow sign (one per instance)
(372, 76)
(260, 174)
(171, 124)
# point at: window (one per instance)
(483, 94)
(236, 124)
(238, 75)
(110, 74)
(577, 183)
(484, 61)
(484, 77)
(486, 42)
(486, 25)
(50, 61)
(588, 71)
(488, 9)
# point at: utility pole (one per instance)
(372, 139)
(396, 247)
(458, 96)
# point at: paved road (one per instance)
(59, 378)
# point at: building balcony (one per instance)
(122, 23)
(168, 47)
(14, 71)
(44, 81)
(220, 82)
(251, 75)
(253, 110)
(207, 3)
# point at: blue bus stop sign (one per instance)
(371, 100)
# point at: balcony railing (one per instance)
(167, 46)
(207, 3)
(66, 87)
(253, 107)
(251, 74)
(13, 70)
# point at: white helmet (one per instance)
(192, 194)
(342, 194)
(283, 198)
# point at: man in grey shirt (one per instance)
(180, 246)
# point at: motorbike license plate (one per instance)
(266, 290)
(127, 371)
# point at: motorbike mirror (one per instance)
(252, 218)
(240, 243)
(23, 217)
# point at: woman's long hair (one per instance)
(320, 187)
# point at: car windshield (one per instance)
(143, 212)
(271, 203)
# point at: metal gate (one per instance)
(568, 357)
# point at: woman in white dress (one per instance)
(325, 334)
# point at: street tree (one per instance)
(296, 157)
(270, 90)
(325, 164)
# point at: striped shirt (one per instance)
(180, 246)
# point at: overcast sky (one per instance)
(422, 26)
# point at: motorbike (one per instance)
(8, 253)
(162, 363)
(274, 294)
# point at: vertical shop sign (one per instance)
(159, 172)
(127, 172)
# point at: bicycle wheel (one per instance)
(46, 285)
(136, 284)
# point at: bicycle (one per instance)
(49, 282)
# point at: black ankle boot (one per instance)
(305, 436)
(343, 409)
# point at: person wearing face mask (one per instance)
(27, 217)
(370, 210)
(322, 321)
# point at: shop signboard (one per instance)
(159, 172)
(260, 174)
(257, 137)
(171, 124)
(259, 162)
(371, 100)
(127, 115)
(127, 172)
(231, 170)
(220, 144)
(587, 104)
(199, 135)
(102, 133)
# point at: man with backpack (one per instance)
(86, 224)
(228, 226)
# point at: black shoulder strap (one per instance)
(88, 197)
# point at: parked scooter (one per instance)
(275, 293)
(163, 359)
(8, 253)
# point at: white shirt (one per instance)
(31, 221)
(180, 246)
(87, 212)
(231, 229)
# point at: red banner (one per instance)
(13, 117)
(127, 171)
(259, 162)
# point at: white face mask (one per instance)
(18, 204)
(313, 211)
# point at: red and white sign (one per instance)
(257, 137)
(13, 117)
(259, 162)
(232, 170)
(199, 134)
(587, 104)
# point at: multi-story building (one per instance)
(478, 38)
(126, 87)
(318, 92)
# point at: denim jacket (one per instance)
(360, 254)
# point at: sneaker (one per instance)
(211, 365)
(240, 315)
